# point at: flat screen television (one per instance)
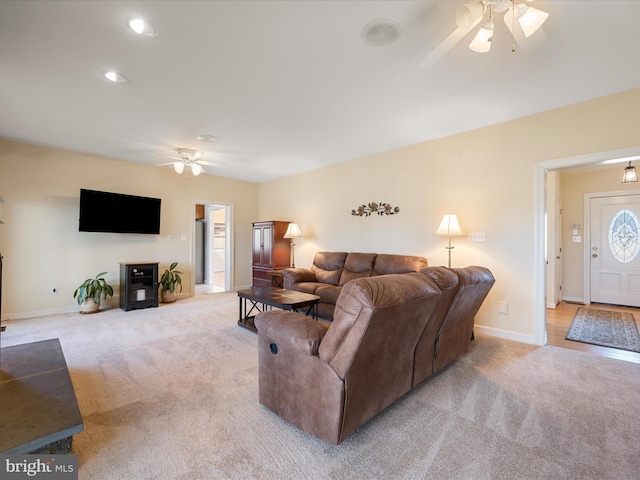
(118, 213)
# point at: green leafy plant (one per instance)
(93, 288)
(170, 278)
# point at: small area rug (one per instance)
(607, 328)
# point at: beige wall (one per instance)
(574, 187)
(486, 176)
(41, 244)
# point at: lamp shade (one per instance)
(293, 231)
(178, 167)
(449, 226)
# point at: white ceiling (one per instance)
(289, 86)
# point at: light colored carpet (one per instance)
(172, 393)
(608, 328)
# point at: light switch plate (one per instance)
(477, 237)
(503, 308)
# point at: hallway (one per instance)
(558, 323)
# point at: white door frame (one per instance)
(541, 168)
(229, 266)
(587, 235)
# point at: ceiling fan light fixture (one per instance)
(481, 43)
(529, 18)
(196, 169)
(178, 167)
(189, 154)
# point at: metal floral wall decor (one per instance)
(379, 208)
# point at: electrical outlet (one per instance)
(53, 290)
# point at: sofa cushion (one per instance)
(328, 293)
(328, 266)
(386, 264)
(357, 265)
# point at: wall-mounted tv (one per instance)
(118, 213)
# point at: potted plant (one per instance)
(169, 280)
(90, 293)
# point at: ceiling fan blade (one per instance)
(441, 50)
(447, 44)
(212, 164)
(167, 155)
(164, 164)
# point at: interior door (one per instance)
(557, 291)
(614, 251)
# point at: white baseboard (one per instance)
(40, 313)
(573, 299)
(506, 334)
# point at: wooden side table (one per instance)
(276, 278)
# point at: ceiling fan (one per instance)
(189, 158)
(472, 13)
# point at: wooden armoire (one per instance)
(270, 250)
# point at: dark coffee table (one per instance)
(38, 408)
(259, 299)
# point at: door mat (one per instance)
(607, 328)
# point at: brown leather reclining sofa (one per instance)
(389, 333)
(332, 270)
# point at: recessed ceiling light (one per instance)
(115, 77)
(141, 27)
(207, 138)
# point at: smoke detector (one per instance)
(381, 32)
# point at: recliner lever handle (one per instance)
(273, 347)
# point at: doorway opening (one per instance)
(212, 249)
(549, 322)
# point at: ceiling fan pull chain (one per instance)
(513, 26)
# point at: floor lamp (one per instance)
(293, 231)
(451, 228)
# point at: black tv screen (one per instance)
(118, 213)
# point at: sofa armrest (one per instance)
(291, 330)
(297, 275)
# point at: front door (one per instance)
(614, 254)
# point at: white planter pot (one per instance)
(168, 297)
(89, 306)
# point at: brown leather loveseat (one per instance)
(332, 270)
(389, 333)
